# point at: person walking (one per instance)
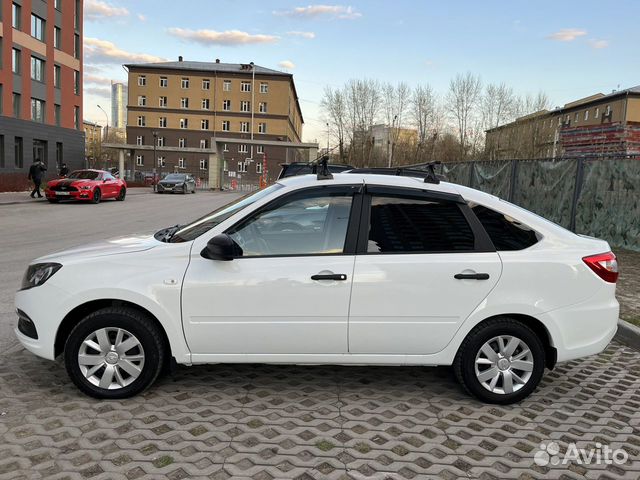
(64, 170)
(36, 172)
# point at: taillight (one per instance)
(604, 265)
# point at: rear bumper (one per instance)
(585, 328)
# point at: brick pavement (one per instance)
(313, 422)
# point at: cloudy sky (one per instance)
(569, 49)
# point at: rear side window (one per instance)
(417, 225)
(505, 232)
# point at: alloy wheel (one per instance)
(111, 358)
(504, 364)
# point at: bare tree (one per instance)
(334, 108)
(395, 100)
(363, 101)
(463, 99)
(428, 119)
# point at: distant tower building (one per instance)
(118, 105)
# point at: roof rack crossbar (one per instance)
(429, 175)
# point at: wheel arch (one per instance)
(81, 311)
(539, 328)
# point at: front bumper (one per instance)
(70, 195)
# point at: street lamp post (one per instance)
(106, 134)
(391, 138)
(155, 160)
(327, 138)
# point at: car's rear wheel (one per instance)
(114, 352)
(97, 195)
(122, 194)
(501, 361)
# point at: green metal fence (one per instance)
(593, 196)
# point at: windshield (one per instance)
(174, 176)
(198, 227)
(84, 175)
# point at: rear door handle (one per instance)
(471, 276)
(329, 276)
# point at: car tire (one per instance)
(492, 377)
(125, 378)
(97, 195)
(184, 190)
(122, 194)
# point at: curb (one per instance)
(628, 334)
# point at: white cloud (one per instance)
(103, 51)
(228, 37)
(598, 44)
(104, 92)
(296, 33)
(567, 34)
(96, 79)
(312, 11)
(287, 64)
(142, 17)
(99, 10)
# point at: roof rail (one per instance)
(428, 174)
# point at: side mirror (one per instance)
(221, 247)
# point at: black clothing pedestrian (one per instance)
(36, 172)
(64, 170)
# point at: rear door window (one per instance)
(505, 232)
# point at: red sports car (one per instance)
(90, 185)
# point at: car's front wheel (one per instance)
(115, 352)
(501, 361)
(97, 195)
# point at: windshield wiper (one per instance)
(165, 234)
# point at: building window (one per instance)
(76, 82)
(160, 141)
(162, 102)
(181, 162)
(76, 117)
(576, 117)
(203, 143)
(206, 84)
(56, 4)
(184, 123)
(262, 107)
(205, 104)
(597, 114)
(226, 86)
(181, 143)
(608, 110)
(56, 37)
(242, 167)
(76, 45)
(242, 148)
(264, 87)
(162, 122)
(203, 164)
(162, 162)
(37, 69)
(226, 125)
(586, 115)
(56, 76)
(16, 16)
(142, 80)
(260, 149)
(262, 128)
(226, 105)
(245, 86)
(142, 101)
(37, 110)
(139, 140)
(142, 122)
(204, 124)
(37, 27)
(245, 106)
(225, 147)
(184, 102)
(140, 160)
(16, 56)
(1, 151)
(184, 83)
(56, 114)
(17, 104)
(259, 167)
(164, 83)
(244, 127)
(18, 152)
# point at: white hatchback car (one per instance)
(355, 268)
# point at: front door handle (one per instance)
(471, 276)
(329, 276)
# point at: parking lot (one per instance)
(271, 422)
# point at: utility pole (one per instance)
(327, 138)
(391, 138)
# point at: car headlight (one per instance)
(39, 273)
(85, 187)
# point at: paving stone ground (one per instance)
(628, 287)
(314, 422)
